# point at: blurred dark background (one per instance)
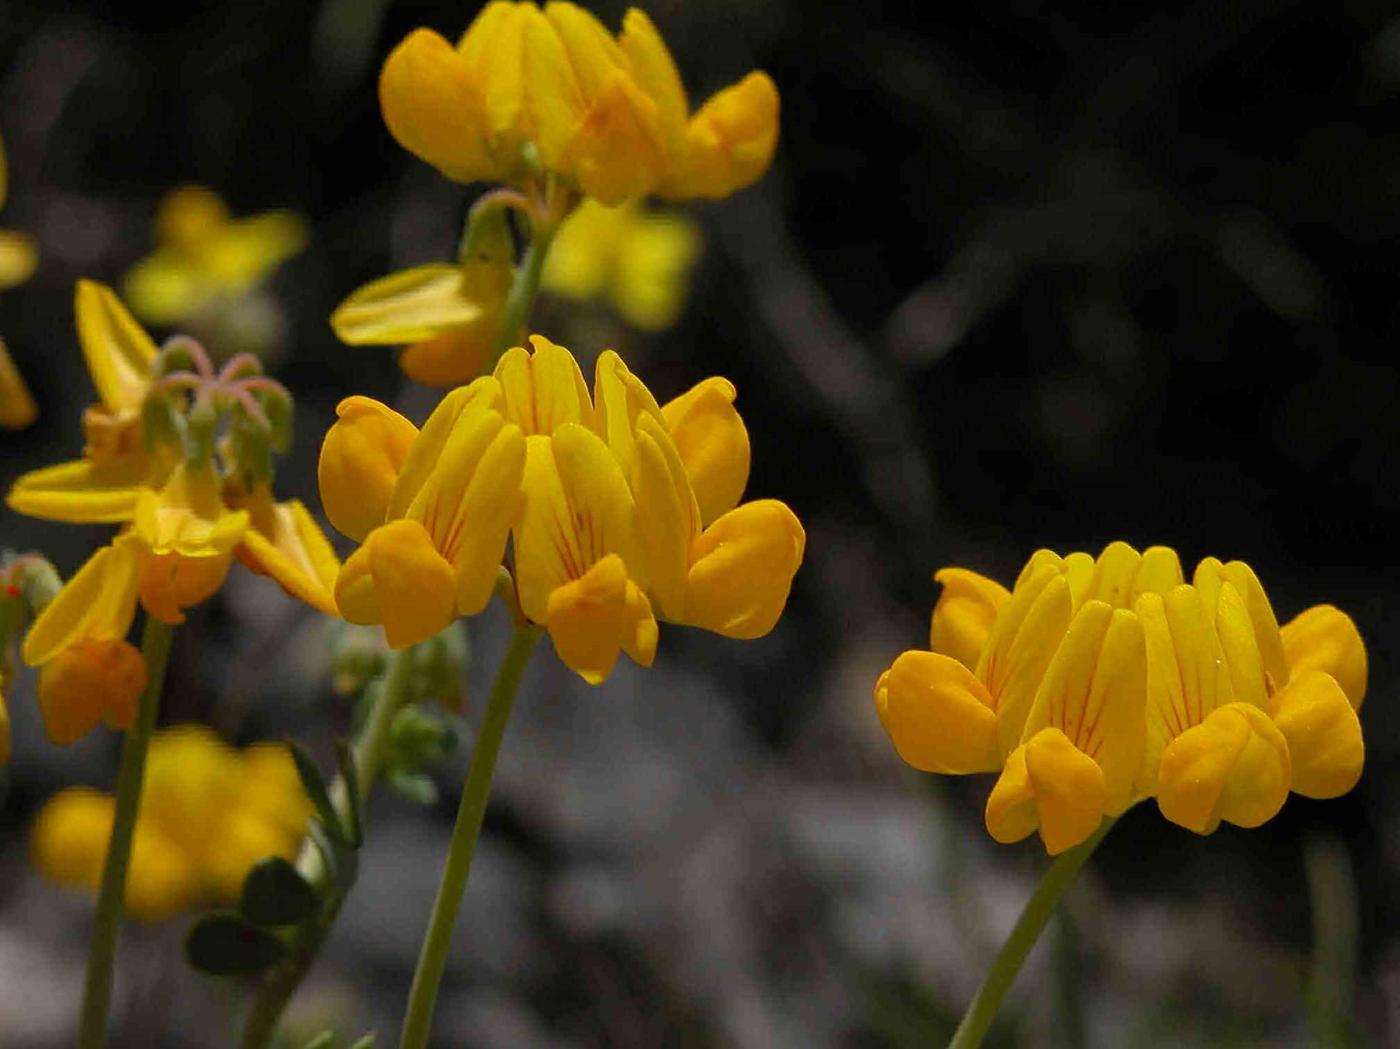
(1022, 275)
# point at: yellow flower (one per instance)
(17, 407)
(208, 814)
(553, 87)
(18, 256)
(203, 253)
(1096, 683)
(640, 259)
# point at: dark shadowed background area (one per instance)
(1022, 275)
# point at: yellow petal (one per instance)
(964, 614)
(117, 349)
(412, 305)
(532, 85)
(188, 516)
(79, 492)
(189, 216)
(592, 618)
(1159, 572)
(619, 397)
(1323, 734)
(592, 51)
(654, 70)
(729, 142)
(668, 519)
(1233, 766)
(1115, 571)
(164, 288)
(543, 389)
(583, 255)
(19, 258)
(1240, 649)
(481, 395)
(90, 681)
(1211, 575)
(653, 268)
(249, 249)
(99, 601)
(398, 578)
(450, 359)
(741, 569)
(17, 407)
(1049, 785)
(170, 583)
(713, 444)
(69, 843)
(616, 151)
(1324, 638)
(434, 106)
(361, 458)
(938, 715)
(286, 544)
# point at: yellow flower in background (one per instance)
(638, 259)
(18, 259)
(1097, 682)
(203, 253)
(529, 88)
(17, 407)
(208, 814)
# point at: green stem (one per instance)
(432, 957)
(111, 897)
(370, 748)
(983, 1010)
(523, 290)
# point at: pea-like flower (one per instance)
(1097, 682)
(529, 88)
(208, 814)
(619, 510)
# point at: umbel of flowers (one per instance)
(619, 511)
(1095, 683)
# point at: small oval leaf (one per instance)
(223, 944)
(275, 893)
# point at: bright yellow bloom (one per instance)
(203, 253)
(639, 259)
(208, 814)
(553, 88)
(1095, 683)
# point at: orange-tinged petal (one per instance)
(79, 492)
(713, 444)
(543, 388)
(964, 614)
(117, 349)
(361, 458)
(91, 681)
(398, 578)
(1325, 638)
(729, 142)
(170, 583)
(450, 359)
(938, 715)
(434, 106)
(593, 618)
(99, 601)
(741, 569)
(1323, 732)
(288, 545)
(1233, 766)
(1048, 785)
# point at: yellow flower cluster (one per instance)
(620, 510)
(18, 258)
(208, 814)
(1095, 683)
(184, 521)
(530, 90)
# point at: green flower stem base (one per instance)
(111, 897)
(432, 957)
(523, 290)
(370, 747)
(983, 1010)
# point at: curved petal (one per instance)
(543, 387)
(1325, 638)
(729, 142)
(616, 152)
(288, 545)
(938, 715)
(361, 458)
(1233, 766)
(78, 492)
(713, 444)
(90, 681)
(667, 517)
(1323, 734)
(1047, 785)
(964, 614)
(741, 569)
(652, 67)
(1022, 641)
(1211, 574)
(17, 407)
(411, 306)
(593, 618)
(481, 395)
(98, 601)
(117, 349)
(188, 516)
(398, 578)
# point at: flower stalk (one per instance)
(111, 899)
(432, 957)
(1007, 964)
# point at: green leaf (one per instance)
(275, 893)
(324, 1040)
(345, 758)
(223, 944)
(367, 1042)
(315, 788)
(414, 786)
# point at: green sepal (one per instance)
(225, 944)
(315, 788)
(275, 893)
(414, 786)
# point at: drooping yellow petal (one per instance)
(713, 444)
(543, 389)
(1323, 732)
(117, 349)
(17, 407)
(79, 492)
(361, 458)
(652, 67)
(729, 142)
(593, 618)
(1049, 785)
(398, 578)
(1325, 638)
(88, 682)
(19, 258)
(188, 516)
(170, 583)
(938, 715)
(412, 305)
(99, 601)
(287, 544)
(741, 569)
(435, 107)
(1232, 766)
(964, 614)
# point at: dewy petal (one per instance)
(1323, 732)
(741, 569)
(287, 544)
(118, 350)
(99, 601)
(1325, 638)
(398, 578)
(1050, 785)
(543, 389)
(964, 614)
(655, 72)
(434, 106)
(361, 458)
(79, 492)
(1233, 766)
(938, 715)
(713, 444)
(592, 618)
(410, 306)
(729, 142)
